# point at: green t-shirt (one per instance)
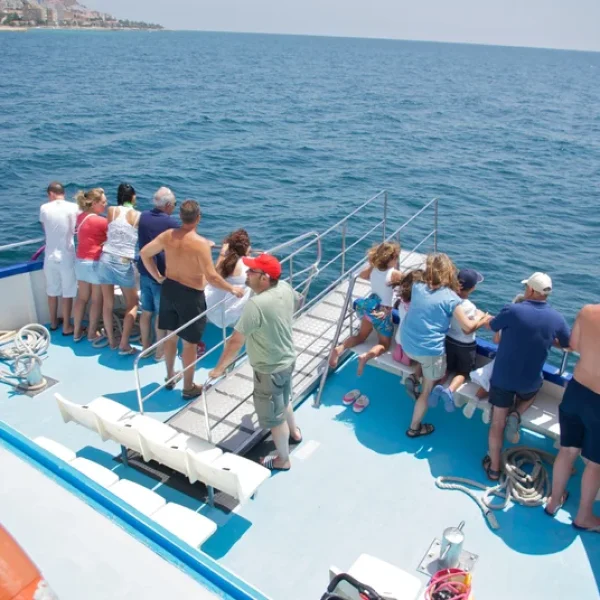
(266, 323)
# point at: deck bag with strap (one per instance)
(363, 591)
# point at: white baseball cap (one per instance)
(539, 282)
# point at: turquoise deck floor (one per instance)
(357, 485)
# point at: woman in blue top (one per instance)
(433, 304)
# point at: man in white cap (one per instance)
(529, 329)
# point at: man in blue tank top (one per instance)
(528, 330)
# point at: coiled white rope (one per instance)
(26, 348)
(529, 487)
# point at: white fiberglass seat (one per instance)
(101, 475)
(173, 452)
(127, 431)
(144, 500)
(55, 448)
(232, 474)
(194, 529)
(86, 414)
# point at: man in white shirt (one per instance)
(58, 218)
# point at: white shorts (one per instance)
(60, 278)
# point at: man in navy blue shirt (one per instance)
(152, 224)
(528, 330)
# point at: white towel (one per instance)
(483, 375)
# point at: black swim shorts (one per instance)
(180, 304)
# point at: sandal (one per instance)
(128, 351)
(361, 403)
(351, 397)
(425, 429)
(410, 384)
(193, 392)
(293, 440)
(269, 463)
(564, 498)
(176, 379)
(492, 475)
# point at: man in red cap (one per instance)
(266, 328)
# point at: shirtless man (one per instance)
(189, 266)
(579, 417)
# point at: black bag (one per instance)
(367, 592)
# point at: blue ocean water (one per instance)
(281, 134)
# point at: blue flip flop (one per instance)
(434, 397)
(448, 397)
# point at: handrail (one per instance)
(314, 266)
(24, 243)
(353, 273)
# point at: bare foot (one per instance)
(590, 523)
(362, 361)
(335, 356)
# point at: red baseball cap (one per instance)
(266, 263)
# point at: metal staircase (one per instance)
(224, 414)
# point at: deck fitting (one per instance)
(430, 564)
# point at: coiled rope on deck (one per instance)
(118, 317)
(529, 487)
(25, 348)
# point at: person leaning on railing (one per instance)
(91, 235)
(57, 217)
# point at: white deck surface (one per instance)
(82, 553)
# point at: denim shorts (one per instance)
(87, 270)
(150, 294)
(115, 270)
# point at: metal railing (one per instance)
(352, 276)
(312, 270)
(38, 240)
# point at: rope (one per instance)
(529, 487)
(118, 317)
(26, 348)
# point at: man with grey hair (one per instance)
(152, 223)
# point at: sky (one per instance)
(570, 24)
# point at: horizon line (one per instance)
(390, 39)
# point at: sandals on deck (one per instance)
(293, 440)
(424, 429)
(564, 498)
(269, 463)
(411, 384)
(492, 475)
(177, 378)
(193, 392)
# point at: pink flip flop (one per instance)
(351, 397)
(361, 403)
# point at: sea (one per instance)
(284, 134)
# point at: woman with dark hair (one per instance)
(232, 269)
(116, 265)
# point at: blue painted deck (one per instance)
(365, 488)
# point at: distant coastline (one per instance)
(78, 28)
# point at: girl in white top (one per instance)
(375, 311)
(116, 266)
(233, 270)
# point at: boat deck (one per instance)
(97, 558)
(358, 485)
(231, 415)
